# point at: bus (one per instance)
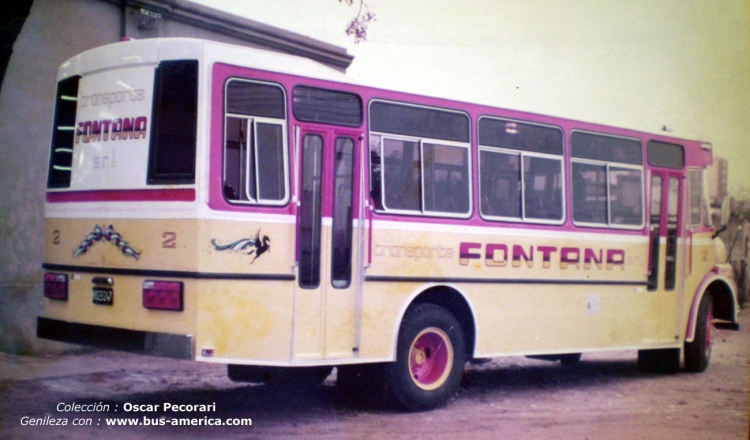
(232, 205)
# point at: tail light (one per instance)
(162, 295)
(56, 286)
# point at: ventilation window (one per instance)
(63, 133)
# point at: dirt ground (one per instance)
(604, 397)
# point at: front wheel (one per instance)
(698, 352)
(430, 359)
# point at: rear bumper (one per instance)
(149, 343)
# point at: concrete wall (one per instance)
(54, 31)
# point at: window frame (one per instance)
(254, 120)
(462, 113)
(702, 208)
(655, 156)
(62, 143)
(380, 205)
(521, 154)
(341, 278)
(421, 142)
(319, 120)
(157, 146)
(607, 165)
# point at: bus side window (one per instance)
(607, 180)
(625, 196)
(520, 170)
(376, 171)
(235, 157)
(542, 192)
(653, 276)
(589, 193)
(255, 156)
(696, 196)
(500, 189)
(419, 160)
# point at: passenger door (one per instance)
(665, 226)
(328, 242)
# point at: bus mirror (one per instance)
(725, 210)
(724, 220)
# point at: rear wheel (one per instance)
(430, 359)
(698, 352)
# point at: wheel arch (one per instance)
(724, 298)
(450, 298)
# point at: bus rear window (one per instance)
(63, 133)
(174, 123)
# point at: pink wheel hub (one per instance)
(430, 358)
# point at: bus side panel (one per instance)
(537, 293)
(535, 319)
(517, 319)
(245, 321)
(414, 251)
(249, 249)
(245, 311)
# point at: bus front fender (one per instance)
(719, 284)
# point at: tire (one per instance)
(430, 358)
(698, 352)
(665, 360)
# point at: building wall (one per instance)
(54, 31)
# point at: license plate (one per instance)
(103, 296)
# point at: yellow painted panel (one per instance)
(245, 319)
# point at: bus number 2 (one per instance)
(56, 236)
(170, 242)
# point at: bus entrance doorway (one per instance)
(325, 315)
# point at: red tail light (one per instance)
(162, 295)
(56, 286)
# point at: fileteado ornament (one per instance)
(111, 236)
(251, 246)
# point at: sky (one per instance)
(677, 65)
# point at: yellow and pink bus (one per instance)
(232, 205)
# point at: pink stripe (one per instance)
(143, 195)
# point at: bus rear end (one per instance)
(122, 197)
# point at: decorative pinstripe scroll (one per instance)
(257, 245)
(110, 235)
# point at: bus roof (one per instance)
(153, 50)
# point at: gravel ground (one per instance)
(604, 397)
